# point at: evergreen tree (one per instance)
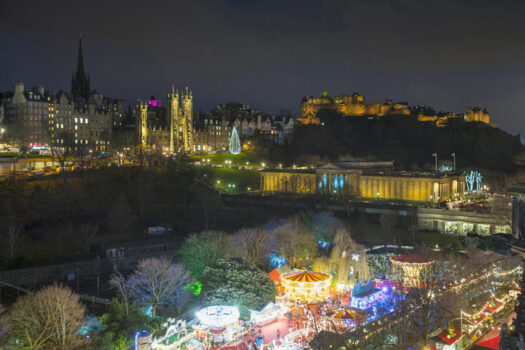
(235, 143)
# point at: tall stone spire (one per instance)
(80, 63)
(80, 84)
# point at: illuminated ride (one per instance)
(222, 321)
(307, 286)
(348, 315)
(411, 266)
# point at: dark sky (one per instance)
(445, 53)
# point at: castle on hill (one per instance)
(355, 106)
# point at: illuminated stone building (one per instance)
(27, 116)
(473, 114)
(349, 106)
(213, 135)
(366, 180)
(167, 129)
(355, 106)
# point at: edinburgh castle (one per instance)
(355, 106)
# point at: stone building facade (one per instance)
(355, 106)
(167, 129)
(212, 136)
(27, 115)
(366, 180)
(349, 106)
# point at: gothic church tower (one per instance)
(180, 117)
(173, 113)
(143, 124)
(80, 84)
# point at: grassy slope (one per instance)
(237, 160)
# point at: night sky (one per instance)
(444, 53)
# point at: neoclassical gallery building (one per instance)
(367, 180)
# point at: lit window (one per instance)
(76, 120)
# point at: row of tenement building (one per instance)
(83, 119)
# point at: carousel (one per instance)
(307, 286)
(222, 322)
(410, 267)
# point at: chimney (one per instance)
(19, 97)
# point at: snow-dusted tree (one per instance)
(157, 281)
(48, 319)
(236, 282)
(235, 142)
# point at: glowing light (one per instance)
(306, 285)
(235, 143)
(218, 316)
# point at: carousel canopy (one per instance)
(347, 313)
(306, 276)
(411, 259)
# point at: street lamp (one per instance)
(377, 195)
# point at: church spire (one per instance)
(80, 63)
(80, 84)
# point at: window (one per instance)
(76, 120)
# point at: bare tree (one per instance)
(388, 219)
(118, 282)
(251, 244)
(48, 319)
(13, 233)
(88, 232)
(121, 216)
(157, 281)
(295, 242)
(4, 328)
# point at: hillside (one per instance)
(405, 140)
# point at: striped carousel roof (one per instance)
(347, 314)
(305, 276)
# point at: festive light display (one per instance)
(306, 285)
(218, 316)
(411, 266)
(473, 181)
(235, 143)
(268, 314)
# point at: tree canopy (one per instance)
(238, 283)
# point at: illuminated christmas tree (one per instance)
(235, 143)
